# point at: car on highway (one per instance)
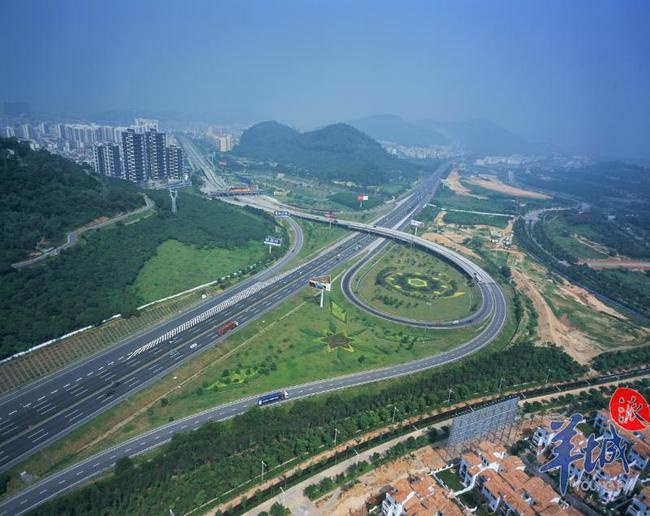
(193, 346)
(229, 326)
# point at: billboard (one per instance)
(482, 422)
(362, 197)
(274, 241)
(321, 283)
(416, 223)
(281, 213)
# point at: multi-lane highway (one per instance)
(161, 358)
(214, 183)
(47, 410)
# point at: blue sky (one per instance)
(573, 73)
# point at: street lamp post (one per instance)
(263, 466)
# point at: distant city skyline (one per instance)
(572, 74)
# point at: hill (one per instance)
(392, 128)
(482, 136)
(478, 136)
(336, 152)
(113, 269)
(42, 196)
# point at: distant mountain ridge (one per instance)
(392, 128)
(478, 136)
(335, 152)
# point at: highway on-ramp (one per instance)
(103, 461)
(42, 412)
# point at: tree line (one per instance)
(631, 294)
(94, 280)
(220, 456)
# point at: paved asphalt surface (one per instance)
(51, 408)
(214, 181)
(47, 409)
(73, 236)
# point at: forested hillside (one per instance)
(42, 196)
(94, 279)
(336, 152)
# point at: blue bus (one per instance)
(273, 397)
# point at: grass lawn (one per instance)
(318, 236)
(296, 342)
(568, 237)
(414, 299)
(176, 267)
(450, 477)
(471, 219)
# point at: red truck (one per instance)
(222, 330)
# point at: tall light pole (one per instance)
(263, 466)
(548, 373)
(449, 397)
(500, 383)
(336, 433)
(394, 411)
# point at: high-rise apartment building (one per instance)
(107, 160)
(145, 124)
(135, 156)
(24, 132)
(155, 143)
(174, 162)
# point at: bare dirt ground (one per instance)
(490, 182)
(583, 297)
(440, 218)
(557, 331)
(449, 242)
(619, 263)
(354, 500)
(453, 182)
(581, 343)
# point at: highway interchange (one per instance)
(51, 408)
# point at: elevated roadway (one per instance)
(246, 311)
(45, 411)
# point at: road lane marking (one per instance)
(48, 410)
(43, 436)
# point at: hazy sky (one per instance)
(567, 72)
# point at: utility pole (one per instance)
(173, 194)
(500, 383)
(394, 411)
(548, 373)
